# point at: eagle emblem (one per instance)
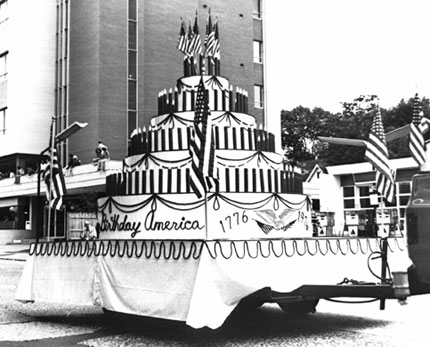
(268, 220)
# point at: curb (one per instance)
(11, 259)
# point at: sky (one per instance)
(320, 53)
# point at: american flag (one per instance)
(210, 38)
(195, 43)
(202, 148)
(377, 155)
(385, 185)
(58, 186)
(416, 138)
(216, 46)
(190, 38)
(208, 28)
(183, 40)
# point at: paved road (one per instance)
(17, 252)
(333, 325)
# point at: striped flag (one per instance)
(183, 40)
(58, 186)
(416, 138)
(202, 147)
(190, 38)
(377, 155)
(216, 46)
(208, 28)
(385, 185)
(210, 37)
(195, 44)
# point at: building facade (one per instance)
(101, 62)
(122, 53)
(347, 203)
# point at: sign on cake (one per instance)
(258, 216)
(172, 216)
(183, 216)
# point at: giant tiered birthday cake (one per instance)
(253, 196)
(169, 249)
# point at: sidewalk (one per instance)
(14, 251)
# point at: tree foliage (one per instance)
(302, 126)
(300, 130)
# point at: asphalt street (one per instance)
(41, 324)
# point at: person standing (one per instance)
(89, 232)
(102, 151)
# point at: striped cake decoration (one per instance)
(173, 181)
(144, 141)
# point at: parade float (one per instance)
(205, 216)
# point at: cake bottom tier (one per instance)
(198, 282)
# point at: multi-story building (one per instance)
(117, 56)
(101, 62)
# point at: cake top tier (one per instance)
(222, 96)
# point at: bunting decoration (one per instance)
(56, 189)
(416, 138)
(202, 147)
(377, 155)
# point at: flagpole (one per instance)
(381, 207)
(206, 215)
(384, 248)
(51, 160)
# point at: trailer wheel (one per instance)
(299, 308)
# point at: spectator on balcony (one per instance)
(102, 151)
(73, 162)
(20, 171)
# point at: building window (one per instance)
(404, 193)
(132, 10)
(349, 197)
(3, 67)
(364, 197)
(258, 96)
(405, 188)
(132, 35)
(316, 205)
(258, 52)
(132, 67)
(132, 95)
(3, 11)
(256, 10)
(62, 74)
(132, 122)
(3, 121)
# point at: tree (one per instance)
(300, 130)
(399, 116)
(353, 123)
